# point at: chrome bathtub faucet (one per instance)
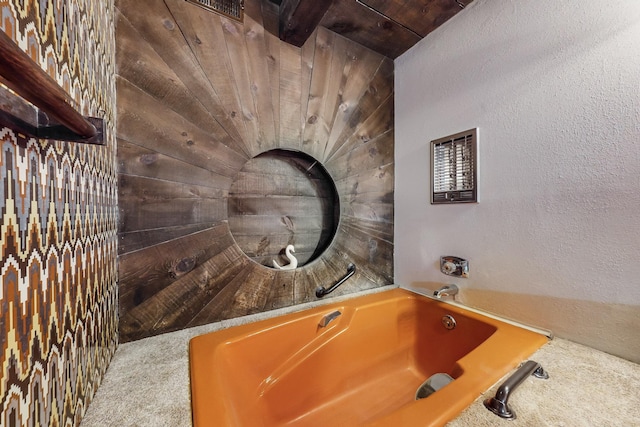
(447, 290)
(328, 318)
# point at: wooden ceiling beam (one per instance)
(362, 24)
(299, 18)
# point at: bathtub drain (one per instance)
(433, 384)
(448, 322)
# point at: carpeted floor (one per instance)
(147, 384)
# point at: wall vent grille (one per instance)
(454, 168)
(231, 8)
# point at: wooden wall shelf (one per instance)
(43, 109)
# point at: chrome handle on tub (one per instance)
(327, 318)
(499, 404)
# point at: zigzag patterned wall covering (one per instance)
(58, 293)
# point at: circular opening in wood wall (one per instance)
(281, 198)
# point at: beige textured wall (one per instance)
(555, 239)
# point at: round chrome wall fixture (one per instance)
(448, 322)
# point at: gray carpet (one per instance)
(147, 384)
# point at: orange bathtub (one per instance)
(362, 368)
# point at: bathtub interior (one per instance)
(364, 365)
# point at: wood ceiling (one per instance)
(389, 27)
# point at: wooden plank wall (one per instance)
(282, 198)
(199, 96)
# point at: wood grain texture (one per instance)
(154, 264)
(369, 155)
(270, 18)
(156, 25)
(387, 27)
(282, 289)
(142, 239)
(283, 198)
(299, 18)
(377, 92)
(140, 161)
(322, 92)
(147, 122)
(420, 16)
(202, 32)
(200, 98)
(153, 76)
(365, 26)
(292, 89)
(20, 73)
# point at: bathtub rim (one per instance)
(542, 331)
(329, 300)
(229, 334)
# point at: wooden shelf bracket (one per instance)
(38, 107)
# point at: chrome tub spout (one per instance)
(448, 290)
(499, 404)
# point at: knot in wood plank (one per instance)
(169, 24)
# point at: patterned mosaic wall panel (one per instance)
(58, 292)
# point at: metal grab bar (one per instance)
(321, 291)
(499, 404)
(328, 318)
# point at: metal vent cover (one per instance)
(231, 8)
(454, 166)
